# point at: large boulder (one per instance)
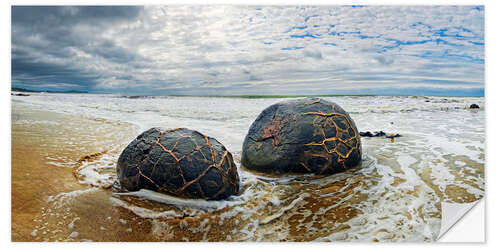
(179, 162)
(308, 135)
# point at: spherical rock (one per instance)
(308, 135)
(180, 162)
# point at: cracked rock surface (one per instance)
(179, 162)
(309, 135)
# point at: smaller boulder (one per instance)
(180, 162)
(474, 106)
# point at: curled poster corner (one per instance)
(451, 213)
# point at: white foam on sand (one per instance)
(433, 129)
(283, 210)
(72, 223)
(182, 203)
(100, 172)
(75, 193)
(63, 198)
(143, 212)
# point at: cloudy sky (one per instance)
(235, 50)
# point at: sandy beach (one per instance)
(64, 151)
(43, 179)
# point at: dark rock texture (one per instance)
(308, 135)
(474, 106)
(370, 134)
(180, 162)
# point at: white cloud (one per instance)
(222, 46)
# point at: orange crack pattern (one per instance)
(224, 166)
(341, 143)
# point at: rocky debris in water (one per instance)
(366, 134)
(474, 106)
(19, 94)
(309, 135)
(138, 96)
(370, 134)
(180, 162)
(378, 134)
(445, 100)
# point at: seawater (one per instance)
(394, 195)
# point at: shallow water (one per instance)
(394, 195)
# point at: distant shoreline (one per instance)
(138, 96)
(270, 96)
(49, 91)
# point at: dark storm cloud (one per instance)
(64, 16)
(46, 38)
(25, 70)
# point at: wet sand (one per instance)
(63, 170)
(40, 172)
(48, 203)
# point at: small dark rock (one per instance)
(474, 106)
(181, 162)
(369, 134)
(138, 97)
(366, 134)
(378, 134)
